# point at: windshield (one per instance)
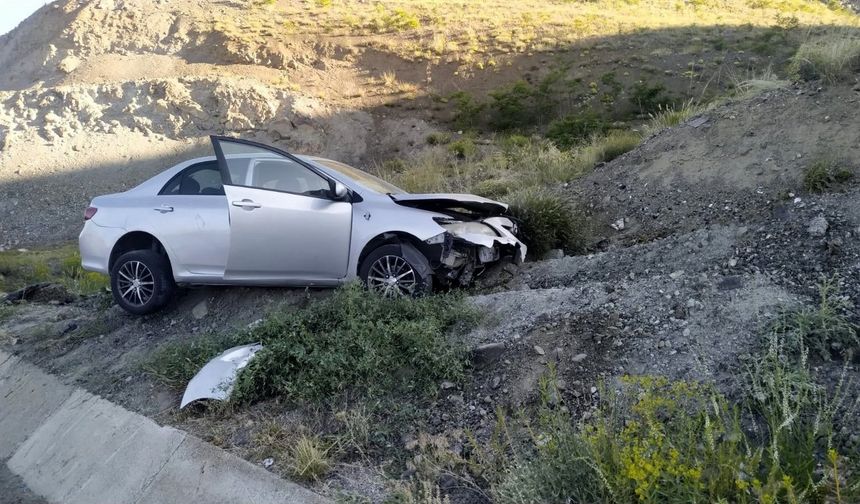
(362, 177)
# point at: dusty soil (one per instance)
(716, 225)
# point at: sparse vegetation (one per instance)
(833, 57)
(654, 440)
(825, 328)
(548, 220)
(351, 341)
(669, 117)
(310, 459)
(62, 265)
(823, 174)
(575, 128)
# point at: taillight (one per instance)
(90, 212)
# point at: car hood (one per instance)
(451, 202)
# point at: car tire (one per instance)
(400, 261)
(154, 284)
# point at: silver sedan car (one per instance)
(256, 215)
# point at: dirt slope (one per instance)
(730, 164)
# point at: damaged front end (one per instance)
(467, 248)
(476, 235)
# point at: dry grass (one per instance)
(310, 459)
(833, 56)
(475, 32)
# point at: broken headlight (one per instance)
(466, 228)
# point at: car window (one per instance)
(201, 179)
(253, 166)
(288, 176)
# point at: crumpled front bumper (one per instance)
(502, 226)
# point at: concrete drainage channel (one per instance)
(69, 446)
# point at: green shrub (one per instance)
(355, 341)
(548, 220)
(575, 128)
(652, 440)
(825, 328)
(824, 173)
(463, 148)
(606, 148)
(438, 138)
(467, 110)
(174, 364)
(394, 20)
(650, 99)
(512, 107)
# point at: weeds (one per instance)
(653, 440)
(547, 221)
(355, 342)
(6, 311)
(309, 460)
(574, 129)
(669, 117)
(825, 328)
(832, 57)
(463, 148)
(58, 265)
(823, 174)
(606, 148)
(175, 363)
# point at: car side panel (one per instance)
(196, 229)
(373, 217)
(96, 243)
(286, 237)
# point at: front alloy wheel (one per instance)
(397, 270)
(392, 276)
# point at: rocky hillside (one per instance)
(717, 177)
(105, 93)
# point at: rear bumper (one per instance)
(95, 243)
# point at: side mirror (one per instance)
(340, 191)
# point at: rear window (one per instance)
(201, 179)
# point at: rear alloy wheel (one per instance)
(397, 271)
(141, 281)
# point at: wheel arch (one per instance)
(386, 238)
(137, 240)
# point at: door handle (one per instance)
(163, 209)
(246, 204)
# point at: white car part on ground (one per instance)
(215, 380)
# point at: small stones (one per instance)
(539, 350)
(200, 310)
(554, 254)
(818, 226)
(486, 354)
(618, 225)
(446, 385)
(497, 381)
(730, 283)
(579, 357)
